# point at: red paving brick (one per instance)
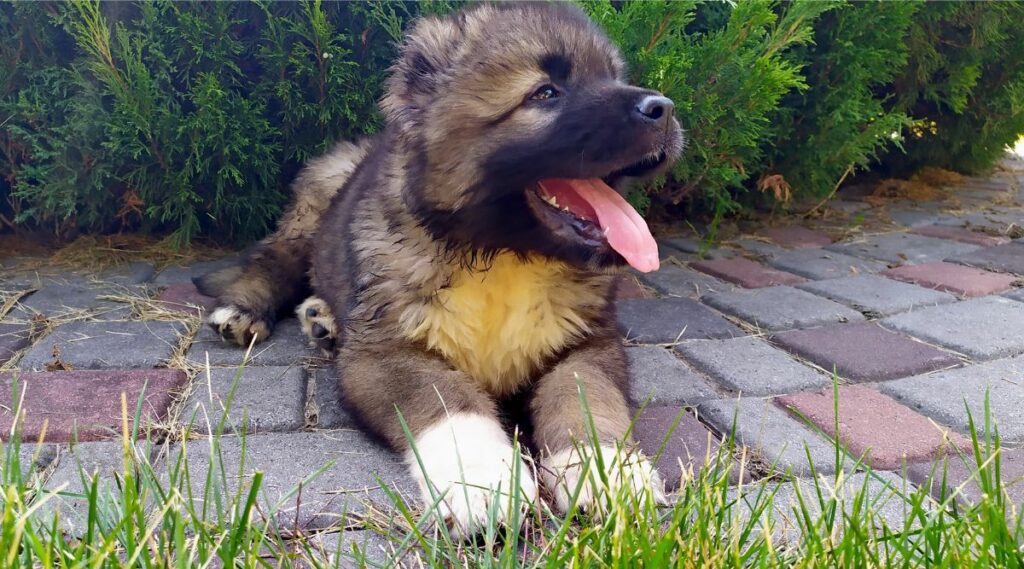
(689, 448)
(795, 236)
(962, 477)
(960, 234)
(864, 351)
(627, 288)
(872, 423)
(185, 297)
(958, 279)
(86, 402)
(746, 273)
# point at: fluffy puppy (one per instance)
(465, 255)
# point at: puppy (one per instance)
(466, 254)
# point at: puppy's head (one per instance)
(523, 130)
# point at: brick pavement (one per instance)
(919, 313)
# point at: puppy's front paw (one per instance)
(565, 473)
(318, 324)
(470, 464)
(238, 325)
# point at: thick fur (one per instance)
(274, 277)
(449, 286)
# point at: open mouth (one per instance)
(599, 216)
(640, 169)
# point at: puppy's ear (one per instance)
(430, 51)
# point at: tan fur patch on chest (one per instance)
(499, 325)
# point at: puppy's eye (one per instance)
(544, 93)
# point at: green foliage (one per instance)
(840, 121)
(964, 83)
(192, 118)
(727, 80)
(182, 117)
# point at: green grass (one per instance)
(152, 517)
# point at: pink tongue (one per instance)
(624, 229)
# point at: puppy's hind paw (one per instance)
(318, 324)
(238, 325)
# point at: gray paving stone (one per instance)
(132, 273)
(880, 491)
(781, 308)
(902, 248)
(32, 457)
(943, 395)
(667, 253)
(268, 398)
(761, 249)
(13, 338)
(979, 197)
(658, 377)
(57, 298)
(673, 280)
(684, 244)
(174, 274)
(695, 246)
(287, 346)
(667, 320)
(19, 280)
(1007, 258)
(324, 407)
(997, 221)
(820, 264)
(877, 296)
(918, 217)
(982, 328)
(10, 262)
(776, 438)
(998, 182)
(751, 366)
(746, 273)
(104, 460)
(106, 345)
(356, 549)
(286, 459)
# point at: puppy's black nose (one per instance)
(656, 108)
(318, 331)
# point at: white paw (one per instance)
(563, 473)
(237, 325)
(222, 315)
(469, 461)
(317, 322)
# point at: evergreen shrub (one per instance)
(190, 119)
